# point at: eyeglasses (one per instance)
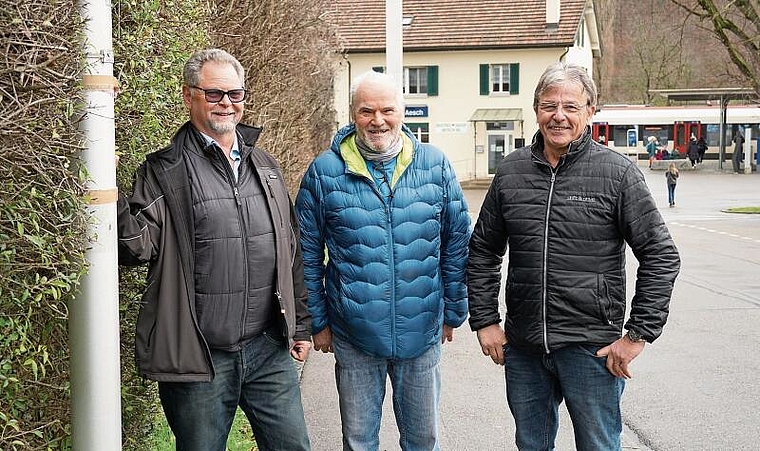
(569, 108)
(216, 95)
(380, 167)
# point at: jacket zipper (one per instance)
(278, 292)
(544, 322)
(244, 233)
(389, 229)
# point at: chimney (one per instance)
(552, 14)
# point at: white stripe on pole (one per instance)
(394, 41)
(94, 314)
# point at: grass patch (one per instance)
(240, 439)
(745, 210)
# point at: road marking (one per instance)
(719, 232)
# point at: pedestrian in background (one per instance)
(225, 305)
(671, 176)
(701, 148)
(652, 149)
(693, 151)
(738, 155)
(391, 214)
(566, 207)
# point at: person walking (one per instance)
(671, 177)
(392, 217)
(566, 207)
(701, 148)
(224, 312)
(652, 149)
(692, 152)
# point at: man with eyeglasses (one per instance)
(224, 312)
(392, 217)
(566, 207)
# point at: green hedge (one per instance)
(286, 49)
(42, 228)
(151, 42)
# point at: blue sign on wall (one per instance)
(416, 111)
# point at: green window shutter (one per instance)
(432, 80)
(485, 89)
(514, 78)
(380, 69)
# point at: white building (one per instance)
(470, 67)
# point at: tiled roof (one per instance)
(457, 24)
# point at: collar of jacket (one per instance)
(575, 148)
(188, 136)
(356, 164)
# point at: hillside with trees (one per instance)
(653, 44)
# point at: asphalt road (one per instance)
(696, 388)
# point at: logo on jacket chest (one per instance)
(580, 198)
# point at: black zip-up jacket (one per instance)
(156, 226)
(566, 230)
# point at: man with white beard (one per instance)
(392, 217)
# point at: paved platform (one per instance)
(473, 412)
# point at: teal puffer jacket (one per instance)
(395, 266)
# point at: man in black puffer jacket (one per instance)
(566, 207)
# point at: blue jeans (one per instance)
(261, 378)
(416, 387)
(671, 194)
(538, 383)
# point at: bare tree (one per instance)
(736, 24)
(647, 50)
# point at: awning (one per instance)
(496, 115)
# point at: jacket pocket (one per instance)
(611, 298)
(603, 299)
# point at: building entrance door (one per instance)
(499, 145)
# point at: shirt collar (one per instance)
(234, 152)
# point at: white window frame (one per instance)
(422, 80)
(499, 78)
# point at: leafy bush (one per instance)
(152, 40)
(42, 225)
(286, 49)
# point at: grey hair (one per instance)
(375, 77)
(561, 73)
(192, 71)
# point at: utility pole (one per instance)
(94, 314)
(394, 47)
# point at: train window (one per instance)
(712, 135)
(663, 133)
(620, 134)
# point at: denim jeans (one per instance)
(671, 194)
(261, 378)
(416, 385)
(538, 383)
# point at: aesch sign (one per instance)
(416, 111)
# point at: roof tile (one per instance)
(457, 24)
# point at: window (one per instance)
(418, 80)
(509, 125)
(421, 130)
(499, 78)
(415, 80)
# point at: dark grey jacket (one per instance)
(566, 229)
(156, 227)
